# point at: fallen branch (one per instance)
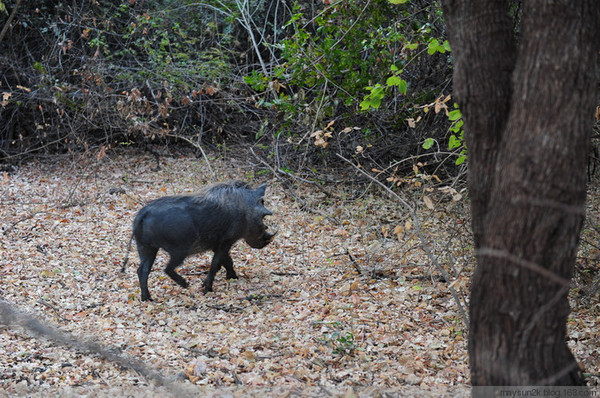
(226, 308)
(20, 220)
(260, 297)
(351, 257)
(286, 273)
(10, 316)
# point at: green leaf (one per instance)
(393, 81)
(453, 142)
(433, 46)
(460, 160)
(428, 143)
(294, 18)
(370, 102)
(398, 1)
(454, 115)
(39, 67)
(377, 90)
(403, 87)
(457, 126)
(394, 68)
(374, 98)
(447, 46)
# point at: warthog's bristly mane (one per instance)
(215, 192)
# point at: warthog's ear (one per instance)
(259, 194)
(260, 191)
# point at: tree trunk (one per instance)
(528, 117)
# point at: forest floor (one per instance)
(343, 302)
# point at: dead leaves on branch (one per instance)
(322, 137)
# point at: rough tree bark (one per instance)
(528, 112)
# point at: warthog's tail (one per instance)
(127, 254)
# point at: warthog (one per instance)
(213, 219)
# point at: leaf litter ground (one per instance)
(342, 302)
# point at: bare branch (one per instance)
(10, 19)
(11, 316)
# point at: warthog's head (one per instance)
(258, 236)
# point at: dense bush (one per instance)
(356, 76)
(301, 79)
